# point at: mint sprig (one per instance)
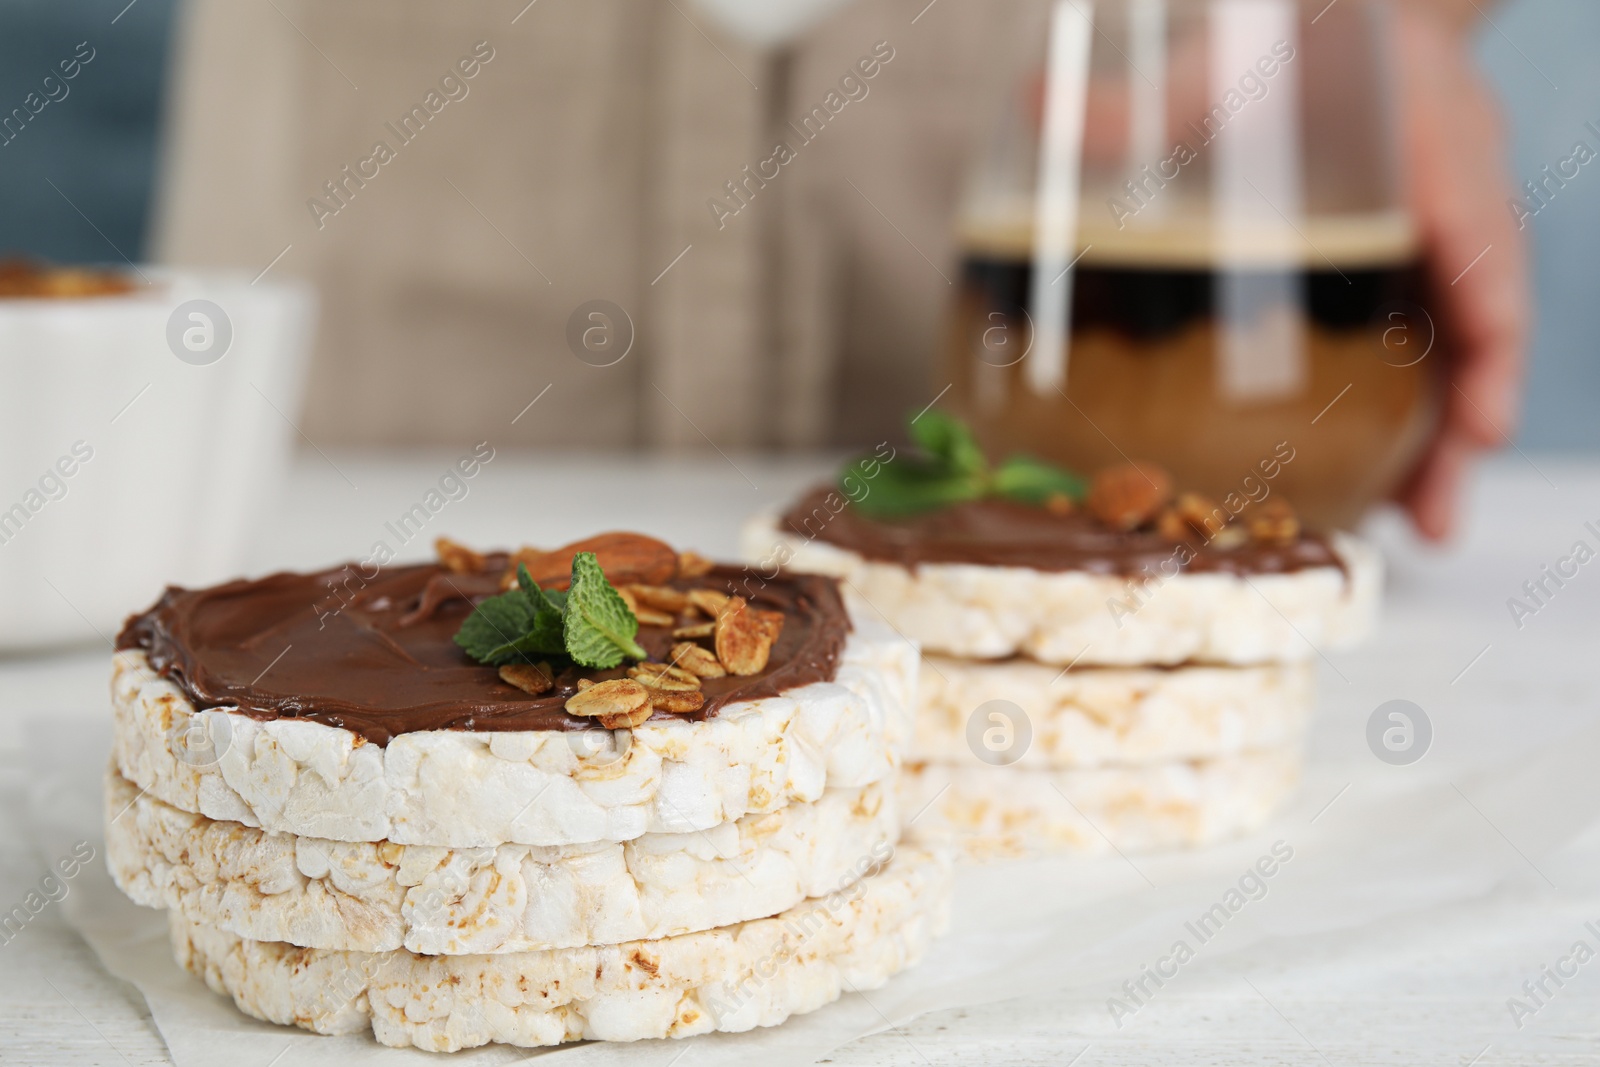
(1033, 481)
(599, 628)
(951, 469)
(590, 623)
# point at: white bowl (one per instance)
(139, 444)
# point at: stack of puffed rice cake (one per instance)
(1047, 721)
(451, 888)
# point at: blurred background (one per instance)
(578, 164)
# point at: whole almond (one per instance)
(1129, 495)
(696, 660)
(616, 699)
(626, 559)
(531, 678)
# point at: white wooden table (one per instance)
(1422, 988)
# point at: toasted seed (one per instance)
(456, 557)
(533, 678)
(699, 629)
(696, 660)
(693, 565)
(660, 597)
(664, 676)
(744, 636)
(1171, 527)
(1230, 537)
(646, 616)
(1205, 515)
(679, 700)
(1274, 522)
(709, 601)
(628, 720)
(618, 697)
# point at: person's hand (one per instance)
(1460, 192)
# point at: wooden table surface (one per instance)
(1429, 987)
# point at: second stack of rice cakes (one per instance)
(1094, 678)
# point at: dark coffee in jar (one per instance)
(1216, 356)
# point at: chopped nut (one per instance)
(699, 629)
(618, 702)
(664, 676)
(458, 558)
(1230, 537)
(1129, 495)
(693, 565)
(1203, 514)
(1274, 522)
(679, 700)
(744, 636)
(584, 683)
(532, 678)
(709, 601)
(696, 660)
(660, 597)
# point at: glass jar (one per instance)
(1188, 243)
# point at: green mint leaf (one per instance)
(525, 580)
(948, 441)
(952, 470)
(545, 635)
(599, 628)
(1033, 481)
(906, 487)
(590, 622)
(513, 626)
